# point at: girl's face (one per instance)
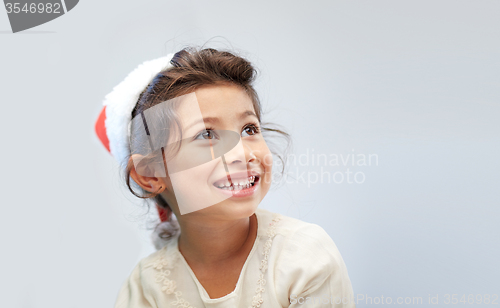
(223, 167)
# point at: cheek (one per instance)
(193, 190)
(266, 159)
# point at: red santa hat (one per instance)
(113, 124)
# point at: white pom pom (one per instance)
(164, 232)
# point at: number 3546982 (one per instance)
(33, 8)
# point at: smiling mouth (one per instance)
(237, 184)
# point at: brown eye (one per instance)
(250, 130)
(206, 134)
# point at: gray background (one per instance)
(415, 82)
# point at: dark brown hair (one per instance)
(193, 68)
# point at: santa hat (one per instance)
(113, 124)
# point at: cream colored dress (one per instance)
(292, 264)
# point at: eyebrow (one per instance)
(243, 115)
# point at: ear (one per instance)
(148, 180)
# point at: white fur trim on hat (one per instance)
(122, 100)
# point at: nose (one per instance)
(249, 153)
(237, 156)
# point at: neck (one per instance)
(218, 241)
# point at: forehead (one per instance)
(225, 102)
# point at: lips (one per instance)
(238, 181)
(241, 186)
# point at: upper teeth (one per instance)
(237, 184)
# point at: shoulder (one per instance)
(310, 242)
(160, 260)
(305, 257)
(155, 266)
(139, 289)
(299, 239)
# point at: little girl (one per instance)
(186, 130)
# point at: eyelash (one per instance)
(253, 125)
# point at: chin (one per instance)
(235, 210)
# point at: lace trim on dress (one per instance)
(261, 282)
(164, 266)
